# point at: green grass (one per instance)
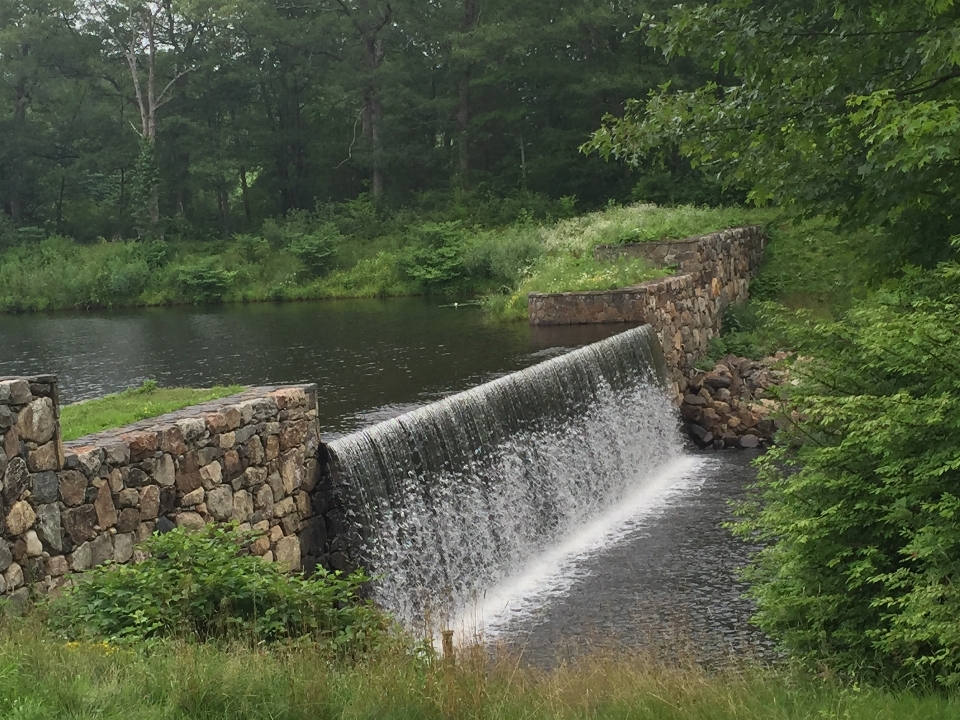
(567, 273)
(42, 677)
(376, 257)
(129, 406)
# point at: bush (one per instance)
(203, 280)
(436, 261)
(317, 249)
(859, 503)
(206, 585)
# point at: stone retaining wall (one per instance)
(713, 271)
(66, 507)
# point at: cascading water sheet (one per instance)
(453, 497)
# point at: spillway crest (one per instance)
(454, 496)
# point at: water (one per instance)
(649, 568)
(371, 359)
(454, 497)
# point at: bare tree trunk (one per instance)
(20, 120)
(373, 112)
(246, 196)
(463, 109)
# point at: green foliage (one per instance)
(435, 262)
(843, 110)
(206, 585)
(203, 280)
(858, 504)
(131, 405)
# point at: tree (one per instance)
(848, 109)
(858, 503)
(149, 35)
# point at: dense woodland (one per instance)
(133, 118)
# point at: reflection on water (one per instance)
(371, 358)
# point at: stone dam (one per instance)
(443, 500)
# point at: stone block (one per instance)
(292, 434)
(123, 547)
(242, 506)
(211, 475)
(190, 521)
(207, 455)
(16, 479)
(57, 566)
(6, 556)
(171, 440)
(195, 497)
(291, 471)
(220, 503)
(142, 444)
(37, 422)
(193, 429)
(34, 546)
(149, 502)
(232, 418)
(49, 528)
(253, 451)
(73, 486)
(287, 553)
(79, 523)
(15, 392)
(117, 452)
(13, 576)
(130, 497)
(101, 549)
(20, 518)
(168, 500)
(129, 520)
(43, 458)
(106, 510)
(11, 443)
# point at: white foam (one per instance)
(553, 573)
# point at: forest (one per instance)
(194, 120)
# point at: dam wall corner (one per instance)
(65, 507)
(713, 271)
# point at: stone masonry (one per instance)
(686, 309)
(66, 507)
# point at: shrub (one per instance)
(435, 262)
(859, 503)
(317, 249)
(206, 585)
(203, 280)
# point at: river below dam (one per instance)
(653, 567)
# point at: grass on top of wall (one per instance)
(44, 677)
(131, 405)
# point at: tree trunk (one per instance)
(373, 114)
(463, 109)
(246, 196)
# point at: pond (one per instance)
(371, 359)
(667, 569)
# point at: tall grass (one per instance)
(42, 677)
(355, 254)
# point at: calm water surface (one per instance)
(371, 359)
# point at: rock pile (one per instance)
(732, 405)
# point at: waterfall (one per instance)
(452, 497)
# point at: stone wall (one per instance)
(66, 507)
(713, 271)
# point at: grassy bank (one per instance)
(43, 677)
(132, 405)
(353, 253)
